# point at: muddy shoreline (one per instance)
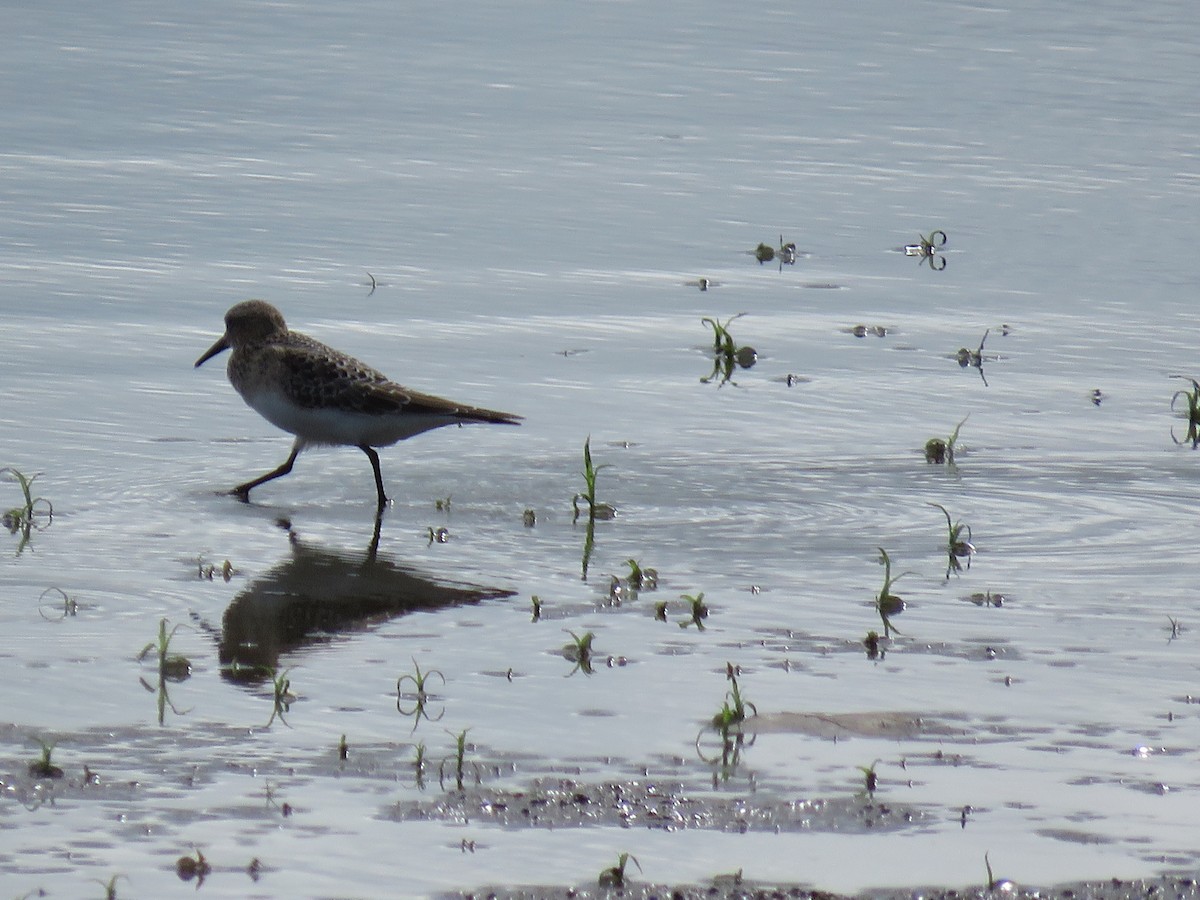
(733, 888)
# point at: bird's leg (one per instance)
(374, 458)
(242, 491)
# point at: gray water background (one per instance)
(533, 185)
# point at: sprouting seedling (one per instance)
(888, 604)
(616, 591)
(210, 570)
(579, 651)
(733, 711)
(30, 516)
(195, 866)
(641, 579)
(942, 451)
(957, 546)
(723, 343)
(1176, 628)
(614, 876)
(438, 536)
(974, 358)
(536, 604)
(870, 779)
(171, 667)
(42, 767)
(726, 352)
(1193, 412)
(442, 504)
(660, 610)
(343, 749)
(728, 724)
(994, 884)
(34, 507)
(110, 886)
(69, 606)
(928, 249)
(596, 510)
(282, 696)
(765, 253)
(418, 696)
(699, 612)
(419, 764)
(589, 544)
(787, 253)
(460, 753)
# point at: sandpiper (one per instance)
(323, 396)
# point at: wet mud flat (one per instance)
(734, 888)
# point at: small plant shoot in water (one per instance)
(726, 353)
(941, 451)
(929, 249)
(641, 579)
(189, 867)
(596, 510)
(870, 779)
(209, 571)
(958, 547)
(418, 696)
(764, 253)
(888, 604)
(171, 667)
(69, 606)
(37, 512)
(579, 651)
(460, 754)
(699, 612)
(282, 696)
(728, 725)
(1192, 413)
(614, 877)
(974, 358)
(110, 886)
(43, 767)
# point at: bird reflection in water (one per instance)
(317, 593)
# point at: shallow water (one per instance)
(532, 230)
